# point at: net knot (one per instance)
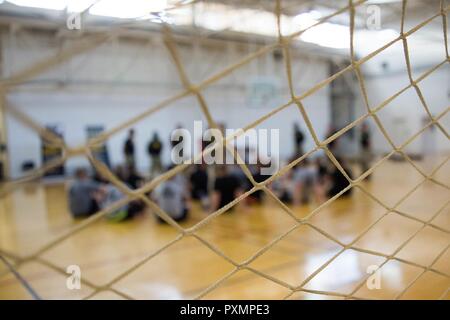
(192, 88)
(76, 151)
(187, 232)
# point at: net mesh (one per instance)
(14, 261)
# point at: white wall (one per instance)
(403, 117)
(119, 80)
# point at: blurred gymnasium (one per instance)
(98, 97)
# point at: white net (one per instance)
(15, 260)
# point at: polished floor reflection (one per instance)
(33, 215)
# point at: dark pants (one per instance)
(134, 208)
(199, 193)
(93, 209)
(179, 219)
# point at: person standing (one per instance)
(129, 150)
(154, 151)
(299, 138)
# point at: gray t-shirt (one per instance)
(80, 196)
(170, 197)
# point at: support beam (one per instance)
(4, 158)
(4, 155)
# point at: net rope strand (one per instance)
(20, 278)
(444, 295)
(190, 89)
(408, 68)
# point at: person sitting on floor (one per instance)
(282, 187)
(258, 176)
(108, 194)
(199, 184)
(119, 172)
(81, 195)
(172, 197)
(132, 178)
(306, 182)
(338, 181)
(226, 188)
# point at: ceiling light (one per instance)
(44, 4)
(328, 35)
(127, 9)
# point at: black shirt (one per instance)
(339, 182)
(258, 177)
(299, 137)
(129, 147)
(365, 140)
(322, 171)
(154, 148)
(227, 187)
(199, 181)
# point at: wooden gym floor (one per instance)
(34, 214)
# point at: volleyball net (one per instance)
(14, 261)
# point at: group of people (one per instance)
(213, 186)
(88, 195)
(154, 150)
